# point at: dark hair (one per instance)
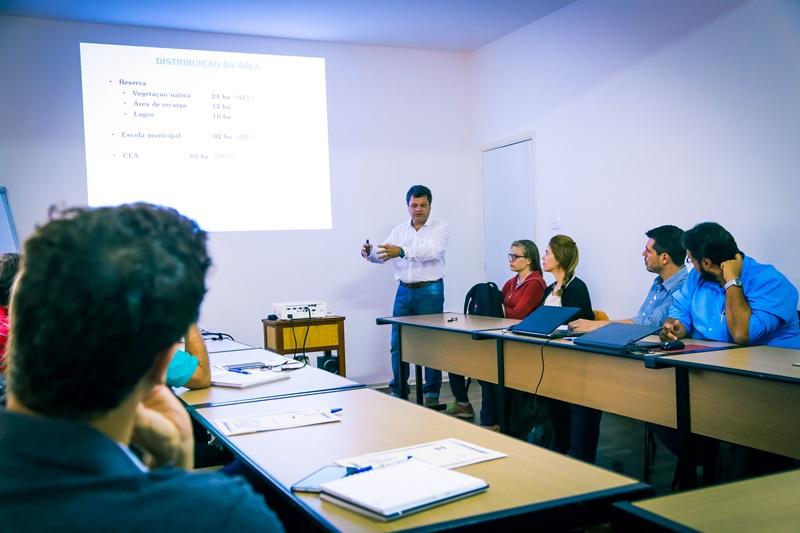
(565, 250)
(709, 240)
(100, 294)
(9, 264)
(531, 252)
(668, 240)
(418, 191)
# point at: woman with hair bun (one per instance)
(577, 428)
(561, 260)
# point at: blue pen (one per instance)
(336, 409)
(238, 371)
(368, 468)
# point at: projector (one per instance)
(299, 310)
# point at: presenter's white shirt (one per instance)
(424, 250)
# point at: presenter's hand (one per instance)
(163, 430)
(732, 268)
(672, 330)
(388, 251)
(366, 249)
(584, 326)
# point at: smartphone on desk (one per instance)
(312, 482)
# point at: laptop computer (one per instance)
(616, 338)
(544, 321)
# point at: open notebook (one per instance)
(404, 488)
(222, 377)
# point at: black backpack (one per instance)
(484, 299)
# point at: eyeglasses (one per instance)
(514, 257)
(689, 260)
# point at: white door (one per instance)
(507, 204)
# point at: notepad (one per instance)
(222, 377)
(447, 453)
(274, 421)
(401, 489)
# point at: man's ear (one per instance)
(707, 263)
(158, 372)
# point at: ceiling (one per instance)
(455, 25)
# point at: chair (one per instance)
(600, 315)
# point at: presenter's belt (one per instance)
(419, 284)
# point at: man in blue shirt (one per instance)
(731, 298)
(100, 302)
(664, 256)
(728, 298)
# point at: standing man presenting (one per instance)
(416, 251)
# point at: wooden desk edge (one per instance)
(693, 365)
(192, 407)
(627, 516)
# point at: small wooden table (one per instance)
(762, 504)
(316, 334)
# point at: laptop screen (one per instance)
(545, 319)
(616, 335)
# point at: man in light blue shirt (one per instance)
(731, 298)
(190, 367)
(664, 256)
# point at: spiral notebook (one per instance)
(401, 489)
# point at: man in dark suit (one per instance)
(102, 298)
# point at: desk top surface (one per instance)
(530, 478)
(767, 503)
(221, 345)
(764, 362)
(692, 345)
(306, 380)
(456, 322)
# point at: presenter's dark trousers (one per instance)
(425, 300)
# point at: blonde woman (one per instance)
(561, 259)
(577, 428)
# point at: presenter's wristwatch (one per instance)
(402, 253)
(735, 282)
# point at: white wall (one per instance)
(650, 113)
(643, 113)
(397, 117)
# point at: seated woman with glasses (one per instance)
(577, 428)
(521, 295)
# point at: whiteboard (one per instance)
(8, 232)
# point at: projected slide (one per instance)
(237, 141)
